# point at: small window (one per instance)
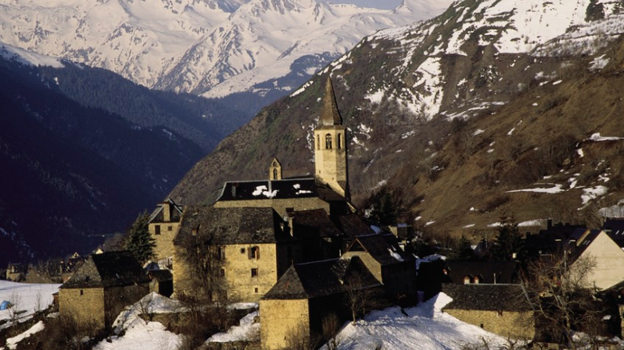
(254, 253)
(169, 228)
(318, 142)
(254, 272)
(339, 143)
(157, 229)
(256, 290)
(275, 174)
(221, 253)
(328, 141)
(242, 250)
(222, 272)
(81, 292)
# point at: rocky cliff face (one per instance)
(492, 108)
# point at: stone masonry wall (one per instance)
(509, 324)
(84, 305)
(281, 320)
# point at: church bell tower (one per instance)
(330, 146)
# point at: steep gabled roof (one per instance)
(382, 247)
(315, 222)
(352, 225)
(175, 212)
(110, 269)
(486, 297)
(321, 278)
(232, 225)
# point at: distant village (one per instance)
(297, 248)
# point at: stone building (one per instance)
(163, 225)
(243, 252)
(387, 262)
(294, 309)
(100, 288)
(328, 189)
(498, 308)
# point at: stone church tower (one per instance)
(330, 151)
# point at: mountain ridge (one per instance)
(416, 101)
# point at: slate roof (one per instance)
(161, 275)
(289, 188)
(615, 229)
(352, 225)
(486, 297)
(329, 109)
(382, 247)
(232, 225)
(314, 222)
(110, 269)
(175, 212)
(320, 278)
(504, 272)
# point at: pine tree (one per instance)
(139, 241)
(508, 240)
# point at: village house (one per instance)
(387, 262)
(100, 288)
(163, 225)
(606, 256)
(502, 309)
(294, 309)
(16, 272)
(244, 251)
(477, 272)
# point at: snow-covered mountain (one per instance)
(464, 113)
(207, 47)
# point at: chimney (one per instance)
(166, 211)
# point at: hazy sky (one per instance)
(382, 4)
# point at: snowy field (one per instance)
(424, 327)
(27, 297)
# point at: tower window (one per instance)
(318, 142)
(328, 141)
(339, 143)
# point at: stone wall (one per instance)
(86, 305)
(164, 240)
(279, 204)
(508, 324)
(247, 277)
(331, 163)
(281, 320)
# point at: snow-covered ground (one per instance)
(140, 334)
(27, 297)
(424, 327)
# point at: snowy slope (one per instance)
(425, 327)
(210, 47)
(27, 297)
(537, 27)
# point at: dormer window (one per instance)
(467, 280)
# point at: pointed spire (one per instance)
(329, 110)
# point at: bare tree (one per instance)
(361, 294)
(38, 302)
(331, 325)
(15, 300)
(205, 259)
(560, 293)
